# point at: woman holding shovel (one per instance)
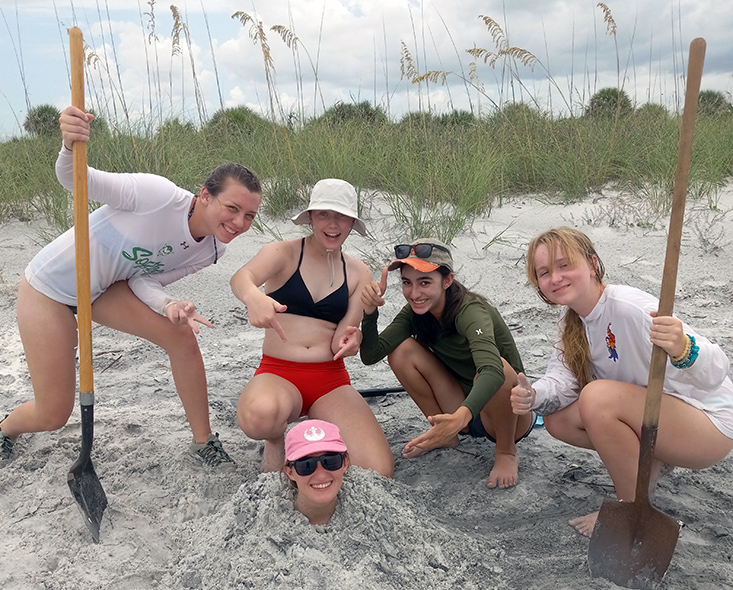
(148, 234)
(593, 393)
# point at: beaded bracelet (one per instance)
(684, 353)
(690, 356)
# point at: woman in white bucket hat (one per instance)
(310, 310)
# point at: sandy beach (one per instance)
(172, 524)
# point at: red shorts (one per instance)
(313, 380)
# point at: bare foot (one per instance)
(273, 457)
(411, 451)
(584, 525)
(505, 470)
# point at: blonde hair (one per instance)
(578, 249)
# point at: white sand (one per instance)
(171, 524)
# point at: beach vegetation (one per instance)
(713, 102)
(609, 102)
(437, 171)
(42, 120)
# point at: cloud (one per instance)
(353, 50)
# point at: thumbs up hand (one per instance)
(522, 396)
(371, 295)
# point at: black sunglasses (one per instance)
(420, 250)
(307, 465)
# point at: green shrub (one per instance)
(713, 102)
(237, 120)
(42, 121)
(608, 102)
(651, 112)
(361, 112)
(457, 119)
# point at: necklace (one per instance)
(190, 212)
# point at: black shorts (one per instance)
(477, 430)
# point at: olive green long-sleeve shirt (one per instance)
(474, 350)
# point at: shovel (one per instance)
(633, 542)
(83, 481)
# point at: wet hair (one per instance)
(578, 249)
(427, 328)
(217, 180)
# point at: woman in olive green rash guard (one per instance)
(453, 354)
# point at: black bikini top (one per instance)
(294, 293)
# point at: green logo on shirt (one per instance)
(140, 256)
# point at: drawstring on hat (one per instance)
(332, 272)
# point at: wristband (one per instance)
(690, 355)
(685, 351)
(167, 303)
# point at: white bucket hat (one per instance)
(332, 194)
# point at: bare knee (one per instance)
(562, 426)
(384, 466)
(50, 422)
(401, 356)
(258, 418)
(181, 342)
(382, 462)
(596, 401)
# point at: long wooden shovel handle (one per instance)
(671, 260)
(81, 220)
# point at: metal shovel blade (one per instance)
(632, 543)
(89, 494)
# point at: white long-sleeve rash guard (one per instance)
(140, 234)
(618, 334)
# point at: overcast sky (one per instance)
(353, 49)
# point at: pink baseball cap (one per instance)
(312, 436)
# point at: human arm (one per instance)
(375, 345)
(149, 289)
(347, 336)
(246, 282)
(131, 192)
(477, 323)
(371, 298)
(184, 312)
(444, 428)
(373, 292)
(74, 124)
(557, 388)
(706, 372)
(522, 396)
(700, 380)
(471, 352)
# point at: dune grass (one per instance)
(437, 172)
(436, 178)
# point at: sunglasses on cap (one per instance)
(420, 250)
(307, 465)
